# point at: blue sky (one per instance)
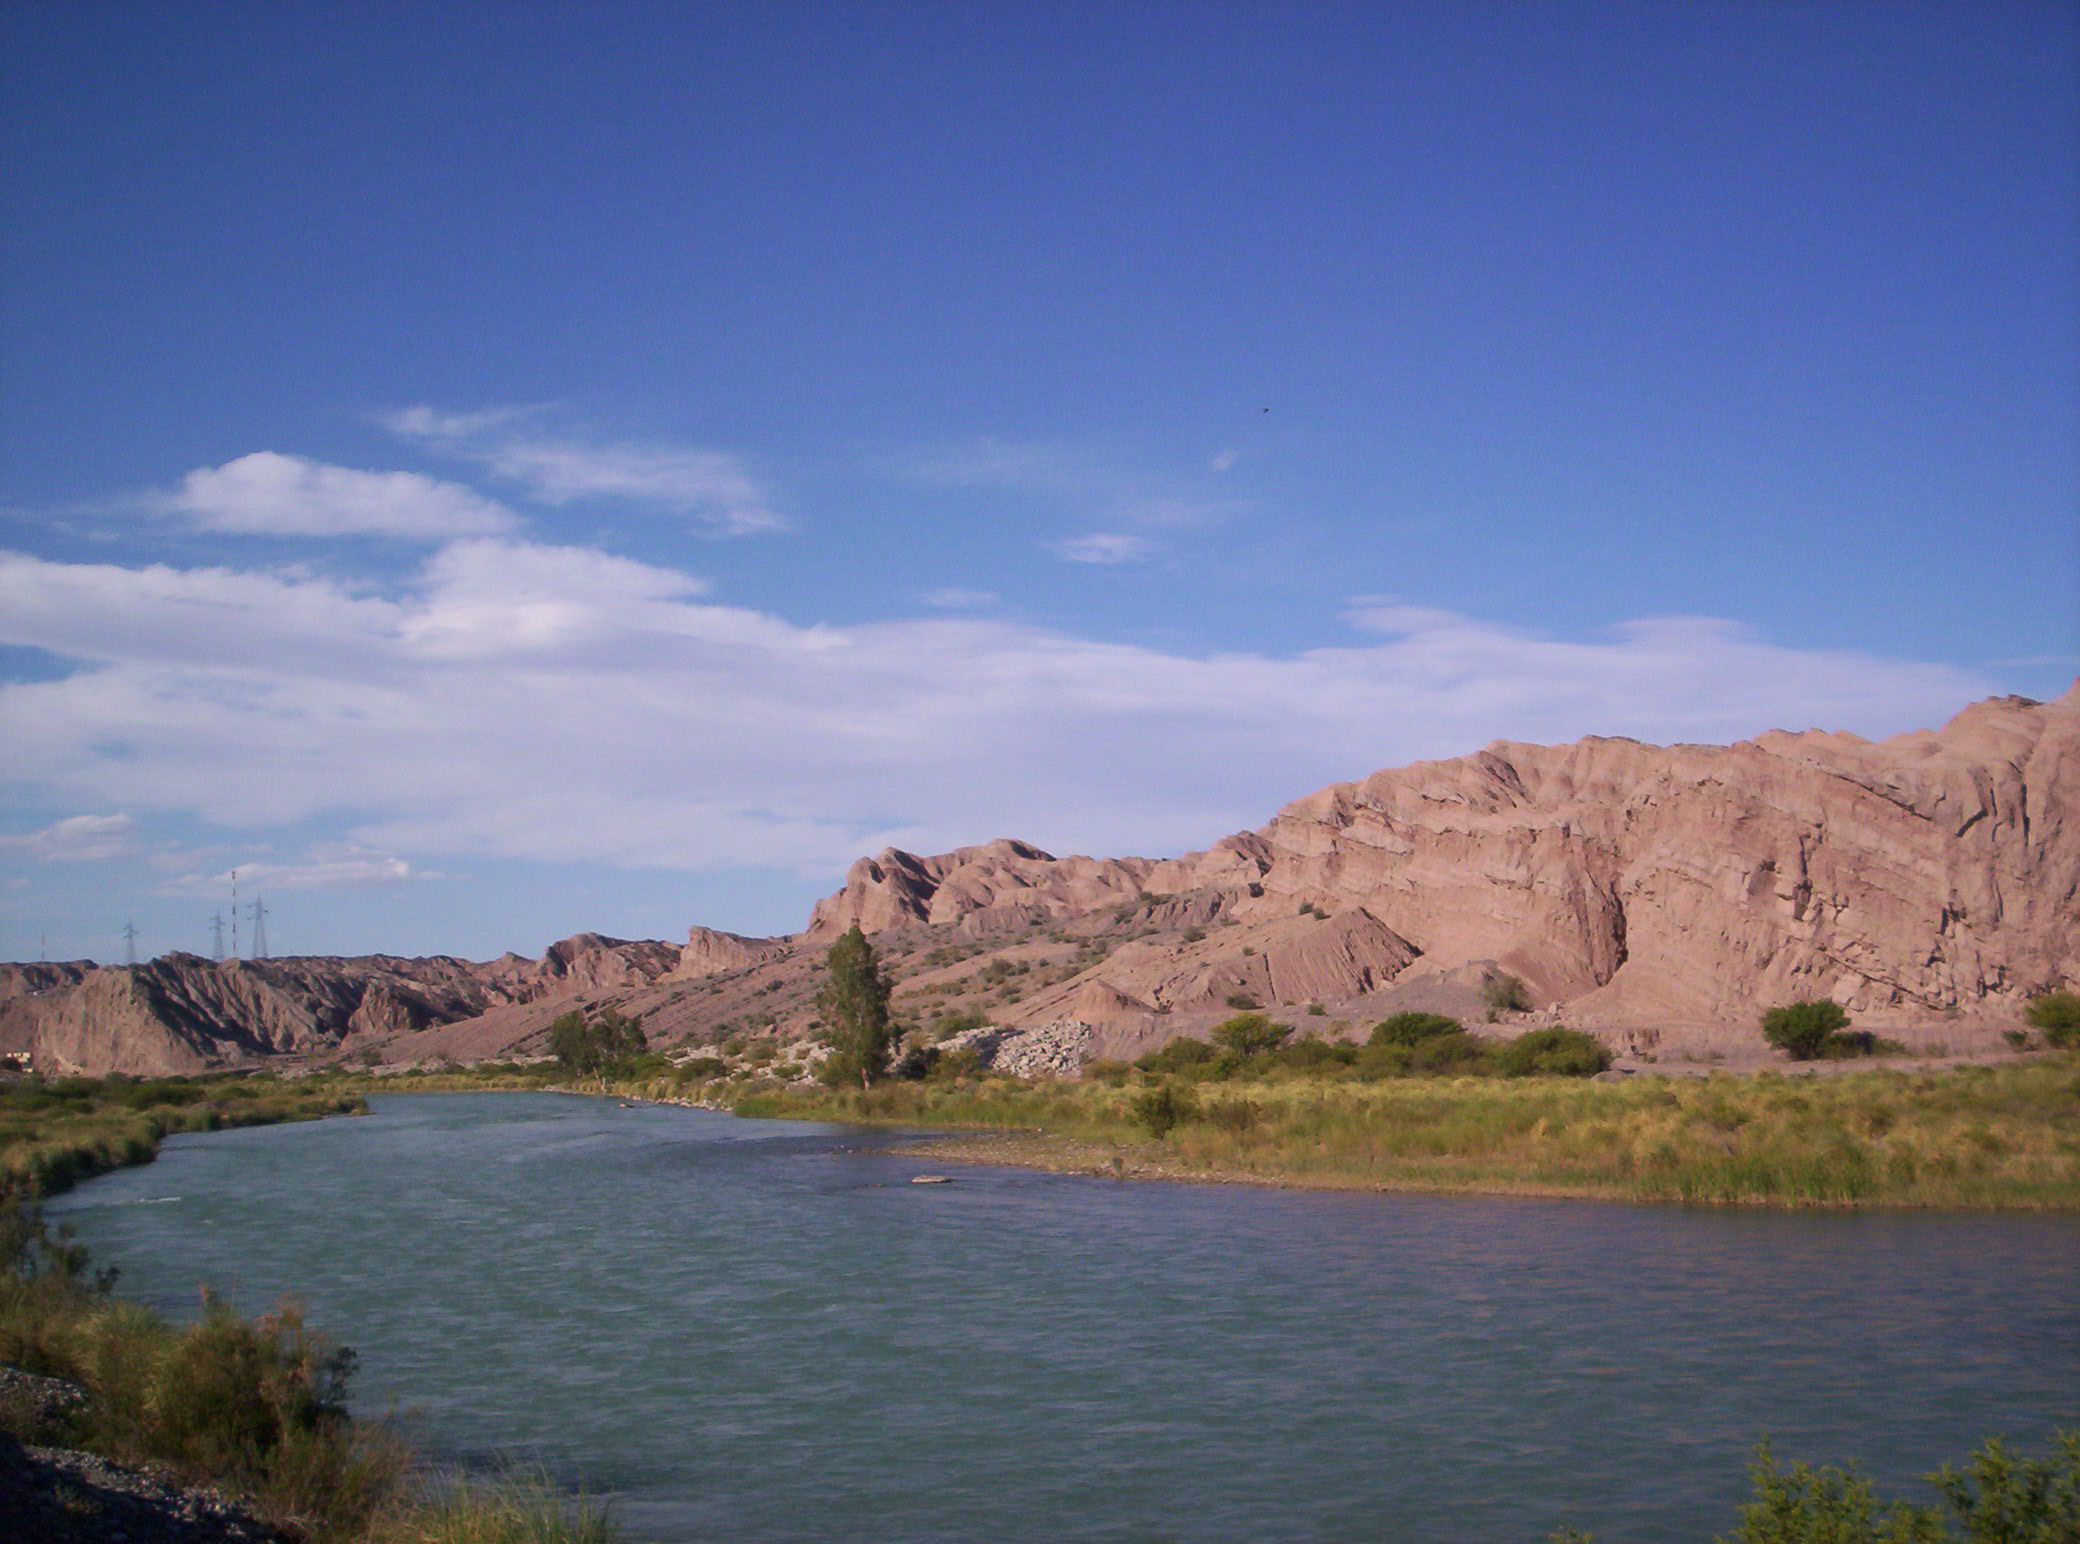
(486, 471)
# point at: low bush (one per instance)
(1801, 1030)
(1162, 1109)
(1556, 1052)
(1412, 1029)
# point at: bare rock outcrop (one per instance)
(708, 952)
(1002, 882)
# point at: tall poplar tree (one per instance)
(854, 1004)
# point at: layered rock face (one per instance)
(1632, 883)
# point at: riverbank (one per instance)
(56, 1133)
(1999, 1137)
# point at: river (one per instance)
(759, 1332)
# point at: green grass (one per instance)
(1976, 1137)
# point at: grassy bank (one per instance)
(2004, 1136)
(255, 1408)
(55, 1133)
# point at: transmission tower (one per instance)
(259, 928)
(234, 914)
(217, 926)
(130, 942)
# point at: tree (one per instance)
(2057, 1014)
(1801, 1030)
(853, 1003)
(1249, 1034)
(583, 1047)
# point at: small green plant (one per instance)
(1242, 1000)
(1801, 1030)
(2056, 1015)
(2017, 1039)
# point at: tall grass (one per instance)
(1975, 1137)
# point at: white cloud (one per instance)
(955, 599)
(562, 704)
(271, 494)
(323, 869)
(1223, 459)
(78, 839)
(1103, 549)
(712, 486)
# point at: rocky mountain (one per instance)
(1660, 895)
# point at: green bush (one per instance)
(1801, 1030)
(1412, 1028)
(1556, 1052)
(2057, 1016)
(1183, 1054)
(1162, 1109)
(1249, 1034)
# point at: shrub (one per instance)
(1801, 1030)
(1162, 1109)
(1504, 993)
(1556, 1052)
(1242, 1000)
(1183, 1054)
(1249, 1034)
(1412, 1028)
(2057, 1015)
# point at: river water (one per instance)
(759, 1332)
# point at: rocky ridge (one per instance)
(1659, 895)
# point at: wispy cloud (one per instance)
(956, 599)
(78, 839)
(1080, 484)
(711, 486)
(267, 493)
(341, 869)
(558, 703)
(1103, 548)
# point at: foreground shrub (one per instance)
(1249, 1034)
(1801, 1030)
(1999, 1498)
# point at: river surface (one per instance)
(758, 1332)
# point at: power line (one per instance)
(259, 928)
(234, 914)
(130, 942)
(217, 946)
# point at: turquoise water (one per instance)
(759, 1332)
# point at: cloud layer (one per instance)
(562, 703)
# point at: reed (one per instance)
(1975, 1137)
